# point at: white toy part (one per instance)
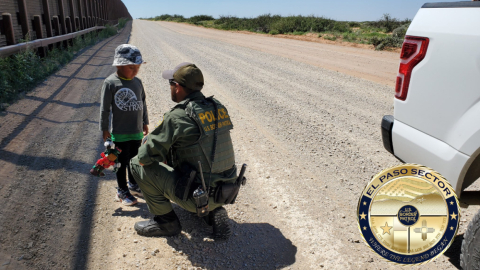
(109, 144)
(114, 166)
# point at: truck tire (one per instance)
(470, 256)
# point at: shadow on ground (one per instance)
(470, 198)
(251, 246)
(453, 252)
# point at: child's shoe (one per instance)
(135, 190)
(125, 197)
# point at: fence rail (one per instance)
(44, 42)
(43, 22)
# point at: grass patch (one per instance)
(122, 22)
(298, 33)
(21, 72)
(383, 33)
(274, 32)
(332, 38)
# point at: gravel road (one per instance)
(310, 136)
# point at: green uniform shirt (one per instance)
(177, 129)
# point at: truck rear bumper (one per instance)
(413, 146)
(387, 126)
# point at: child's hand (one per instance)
(106, 135)
(145, 130)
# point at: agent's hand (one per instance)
(106, 135)
(145, 130)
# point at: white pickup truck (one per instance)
(436, 119)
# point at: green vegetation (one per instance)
(21, 72)
(122, 22)
(385, 33)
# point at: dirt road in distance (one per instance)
(376, 66)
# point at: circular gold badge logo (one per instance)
(408, 214)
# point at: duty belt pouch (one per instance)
(184, 183)
(227, 193)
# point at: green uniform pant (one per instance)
(157, 182)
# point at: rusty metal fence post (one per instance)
(46, 18)
(72, 17)
(22, 7)
(56, 27)
(61, 16)
(77, 23)
(37, 25)
(8, 27)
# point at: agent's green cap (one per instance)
(187, 75)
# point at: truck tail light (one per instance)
(413, 52)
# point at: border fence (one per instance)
(39, 23)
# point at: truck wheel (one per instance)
(470, 256)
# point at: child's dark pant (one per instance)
(129, 150)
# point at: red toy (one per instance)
(109, 158)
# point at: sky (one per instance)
(347, 10)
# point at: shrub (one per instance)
(400, 32)
(380, 43)
(199, 18)
(354, 24)
(122, 22)
(340, 27)
(163, 17)
(273, 32)
(350, 37)
(332, 38)
(177, 18)
(387, 23)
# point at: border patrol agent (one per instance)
(186, 137)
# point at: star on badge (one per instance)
(386, 228)
(451, 228)
(362, 216)
(451, 203)
(364, 228)
(454, 216)
(364, 203)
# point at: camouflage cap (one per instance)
(127, 54)
(186, 74)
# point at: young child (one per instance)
(124, 97)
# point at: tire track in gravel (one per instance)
(311, 138)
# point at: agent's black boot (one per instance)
(218, 219)
(164, 225)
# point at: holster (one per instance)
(226, 193)
(183, 186)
